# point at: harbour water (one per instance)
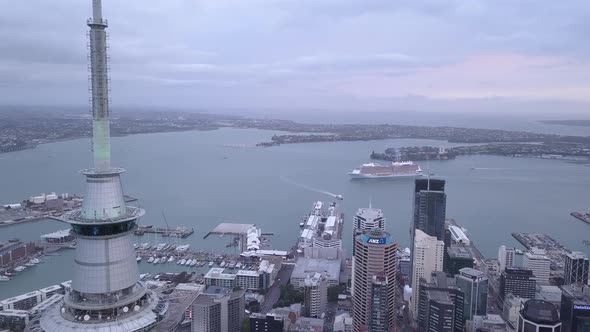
(199, 183)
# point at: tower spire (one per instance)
(101, 136)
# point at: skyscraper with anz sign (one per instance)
(374, 273)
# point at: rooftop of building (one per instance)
(305, 266)
(470, 272)
(540, 311)
(459, 252)
(442, 280)
(369, 213)
(429, 184)
(247, 273)
(577, 255)
(548, 293)
(439, 296)
(217, 273)
(580, 292)
(212, 293)
(518, 270)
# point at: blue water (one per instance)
(199, 183)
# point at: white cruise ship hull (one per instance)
(384, 176)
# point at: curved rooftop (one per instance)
(541, 312)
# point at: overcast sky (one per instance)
(336, 54)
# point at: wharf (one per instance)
(554, 250)
(585, 217)
(180, 232)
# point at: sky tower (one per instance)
(106, 293)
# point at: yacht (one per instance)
(182, 261)
(20, 268)
(211, 264)
(151, 260)
(138, 259)
(4, 278)
(171, 259)
(222, 264)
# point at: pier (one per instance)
(585, 217)
(554, 250)
(180, 232)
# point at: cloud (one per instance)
(268, 53)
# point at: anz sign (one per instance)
(376, 241)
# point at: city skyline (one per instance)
(447, 55)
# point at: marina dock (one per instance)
(180, 232)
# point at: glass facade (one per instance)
(104, 230)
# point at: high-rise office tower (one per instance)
(505, 257)
(430, 203)
(575, 308)
(474, 284)
(315, 295)
(106, 293)
(375, 256)
(380, 314)
(536, 261)
(576, 268)
(539, 316)
(439, 297)
(218, 309)
(428, 258)
(518, 282)
(365, 219)
(456, 258)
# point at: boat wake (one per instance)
(301, 185)
(489, 168)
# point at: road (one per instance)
(274, 292)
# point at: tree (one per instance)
(246, 325)
(334, 291)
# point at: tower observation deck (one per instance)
(106, 292)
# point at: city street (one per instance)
(274, 292)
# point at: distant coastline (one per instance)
(577, 123)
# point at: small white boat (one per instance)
(151, 260)
(171, 259)
(20, 268)
(138, 259)
(193, 262)
(238, 265)
(182, 261)
(4, 278)
(156, 261)
(211, 264)
(222, 264)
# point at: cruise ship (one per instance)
(395, 169)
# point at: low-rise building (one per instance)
(266, 323)
(305, 266)
(216, 277)
(343, 323)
